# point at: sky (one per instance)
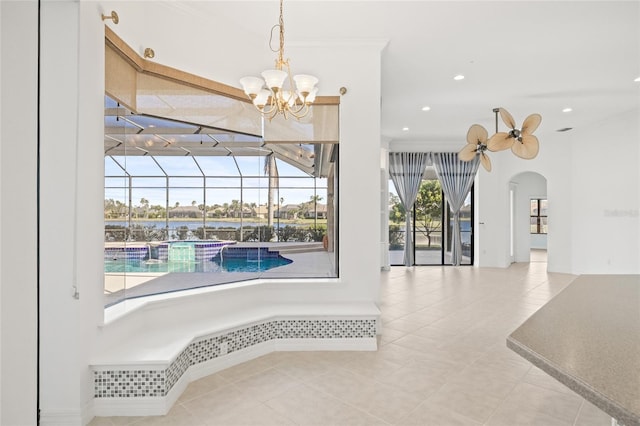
(223, 181)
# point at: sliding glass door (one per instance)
(432, 226)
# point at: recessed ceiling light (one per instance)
(567, 110)
(637, 79)
(426, 108)
(405, 129)
(459, 77)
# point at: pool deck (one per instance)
(310, 260)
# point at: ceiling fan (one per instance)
(521, 141)
(477, 139)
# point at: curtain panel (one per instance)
(406, 170)
(456, 178)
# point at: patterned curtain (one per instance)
(406, 170)
(456, 178)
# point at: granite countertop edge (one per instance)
(622, 415)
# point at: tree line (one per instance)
(116, 209)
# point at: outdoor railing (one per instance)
(142, 233)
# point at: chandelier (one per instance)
(277, 99)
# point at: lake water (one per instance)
(194, 224)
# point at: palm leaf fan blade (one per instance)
(528, 148)
(500, 141)
(507, 118)
(485, 161)
(467, 153)
(477, 133)
(531, 123)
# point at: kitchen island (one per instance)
(588, 338)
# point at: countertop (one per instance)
(588, 338)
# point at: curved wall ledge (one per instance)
(150, 385)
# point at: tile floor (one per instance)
(442, 360)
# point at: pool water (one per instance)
(226, 265)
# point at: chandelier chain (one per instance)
(281, 23)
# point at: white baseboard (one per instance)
(147, 406)
(60, 417)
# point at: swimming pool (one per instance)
(231, 265)
(190, 256)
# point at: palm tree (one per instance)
(145, 204)
(235, 207)
(271, 170)
(315, 199)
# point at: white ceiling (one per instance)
(525, 56)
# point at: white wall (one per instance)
(538, 241)
(72, 175)
(593, 189)
(606, 196)
(72, 123)
(59, 120)
(1, 119)
(18, 208)
(385, 261)
(528, 186)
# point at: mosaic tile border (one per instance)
(129, 383)
(128, 253)
(201, 250)
(157, 383)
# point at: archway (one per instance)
(528, 217)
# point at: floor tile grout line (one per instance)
(493, 412)
(575, 420)
(334, 397)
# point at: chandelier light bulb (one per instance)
(261, 98)
(274, 79)
(252, 85)
(305, 83)
(310, 97)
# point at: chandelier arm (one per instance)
(269, 109)
(271, 114)
(300, 113)
(298, 108)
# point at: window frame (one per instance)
(538, 216)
